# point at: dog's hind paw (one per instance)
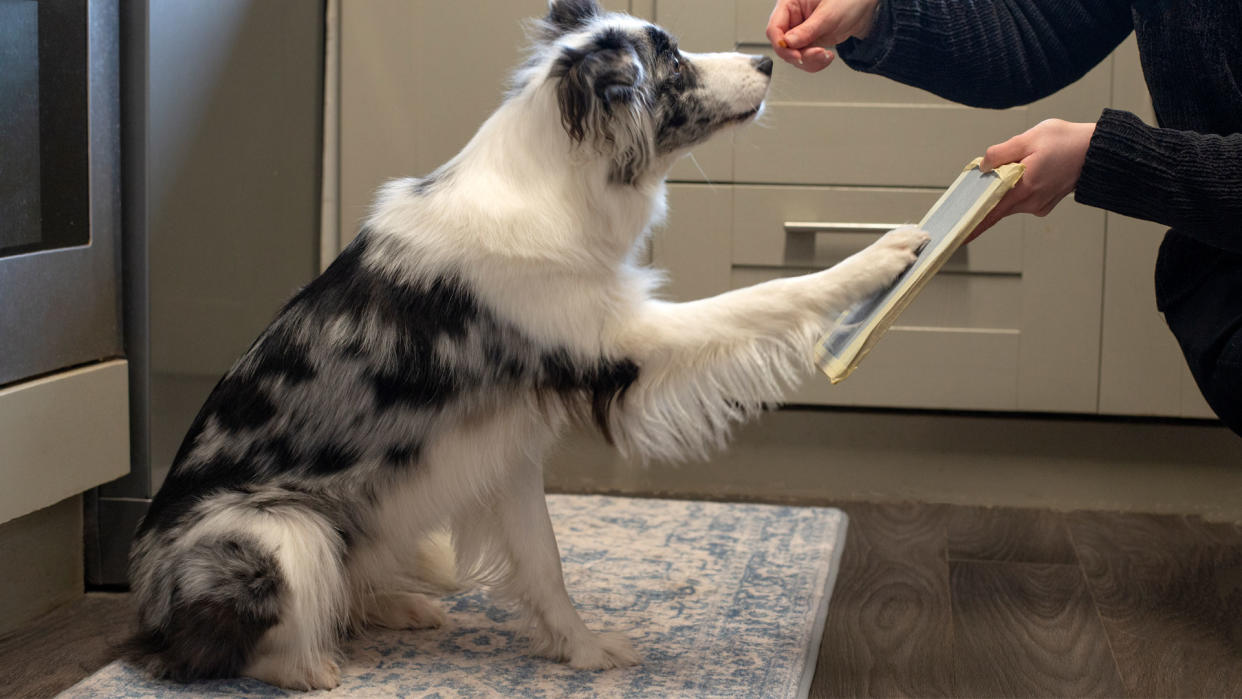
(278, 671)
(406, 610)
(603, 652)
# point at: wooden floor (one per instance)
(953, 601)
(931, 601)
(63, 646)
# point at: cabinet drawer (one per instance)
(777, 226)
(956, 346)
(934, 368)
(957, 302)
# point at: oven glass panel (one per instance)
(43, 138)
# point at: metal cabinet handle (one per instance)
(810, 227)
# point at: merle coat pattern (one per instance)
(382, 440)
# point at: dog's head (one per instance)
(624, 87)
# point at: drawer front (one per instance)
(857, 144)
(819, 226)
(956, 346)
(928, 368)
(695, 244)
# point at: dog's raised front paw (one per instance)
(603, 652)
(896, 250)
(902, 245)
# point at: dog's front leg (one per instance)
(534, 579)
(707, 364)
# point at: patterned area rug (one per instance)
(719, 599)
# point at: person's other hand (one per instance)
(803, 31)
(1053, 152)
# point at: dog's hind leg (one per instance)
(532, 578)
(403, 610)
(384, 594)
(300, 651)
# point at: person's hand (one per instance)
(803, 31)
(1053, 152)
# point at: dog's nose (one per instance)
(763, 64)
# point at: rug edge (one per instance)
(811, 660)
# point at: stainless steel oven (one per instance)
(59, 186)
(62, 379)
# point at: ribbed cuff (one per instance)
(1119, 164)
(865, 54)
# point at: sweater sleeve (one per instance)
(989, 53)
(1182, 179)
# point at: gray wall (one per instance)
(232, 155)
(222, 136)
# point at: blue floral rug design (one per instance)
(721, 600)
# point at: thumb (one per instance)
(1010, 151)
(820, 25)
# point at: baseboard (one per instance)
(1054, 462)
(42, 554)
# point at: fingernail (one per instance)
(790, 38)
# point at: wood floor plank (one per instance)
(1028, 630)
(889, 629)
(64, 646)
(1007, 534)
(1169, 592)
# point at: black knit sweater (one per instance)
(1000, 53)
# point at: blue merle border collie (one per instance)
(381, 442)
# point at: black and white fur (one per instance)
(382, 440)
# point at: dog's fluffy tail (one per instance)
(205, 616)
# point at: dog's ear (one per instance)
(594, 81)
(567, 15)
(600, 95)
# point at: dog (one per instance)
(381, 442)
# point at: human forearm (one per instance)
(989, 54)
(1182, 179)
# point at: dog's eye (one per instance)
(676, 63)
